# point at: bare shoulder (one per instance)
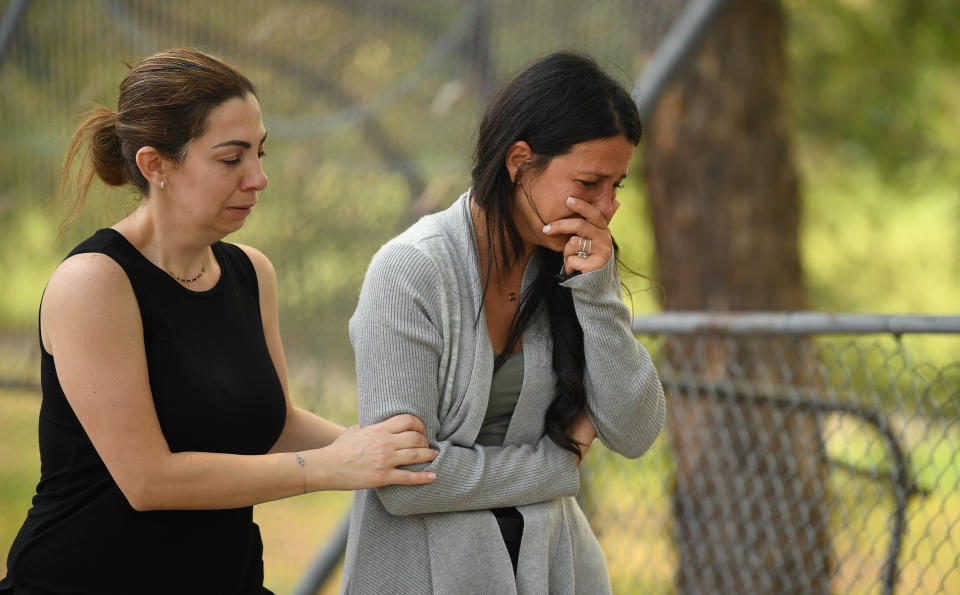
(90, 287)
(258, 258)
(88, 276)
(261, 263)
(267, 284)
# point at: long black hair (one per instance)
(560, 100)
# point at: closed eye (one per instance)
(260, 155)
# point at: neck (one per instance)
(503, 252)
(171, 247)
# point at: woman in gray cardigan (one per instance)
(499, 322)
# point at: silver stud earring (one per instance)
(162, 184)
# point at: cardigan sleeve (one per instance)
(625, 399)
(397, 337)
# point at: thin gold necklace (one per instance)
(189, 282)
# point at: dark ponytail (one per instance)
(97, 145)
(105, 153)
(559, 101)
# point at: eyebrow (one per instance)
(603, 176)
(238, 143)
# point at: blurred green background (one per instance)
(372, 109)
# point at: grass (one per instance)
(20, 470)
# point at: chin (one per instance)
(225, 230)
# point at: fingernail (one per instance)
(571, 201)
(546, 229)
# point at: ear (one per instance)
(518, 154)
(152, 165)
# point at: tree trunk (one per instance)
(749, 499)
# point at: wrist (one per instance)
(322, 471)
(303, 478)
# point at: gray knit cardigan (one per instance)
(421, 350)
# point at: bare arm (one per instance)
(91, 325)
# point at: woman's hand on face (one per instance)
(590, 244)
(368, 457)
(583, 433)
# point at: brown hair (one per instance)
(164, 103)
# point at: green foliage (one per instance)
(872, 247)
(875, 94)
(28, 234)
(880, 81)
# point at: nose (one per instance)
(605, 202)
(256, 179)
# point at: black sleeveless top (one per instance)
(215, 389)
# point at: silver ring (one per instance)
(584, 246)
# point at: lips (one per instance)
(241, 209)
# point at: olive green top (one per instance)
(504, 392)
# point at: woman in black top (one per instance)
(165, 413)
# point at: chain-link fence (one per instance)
(801, 455)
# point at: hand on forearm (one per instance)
(368, 457)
